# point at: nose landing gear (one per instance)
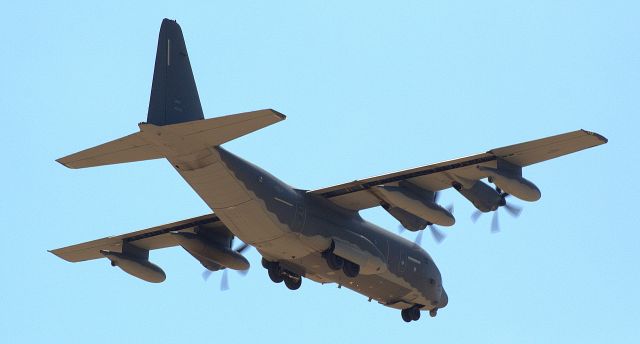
(413, 313)
(410, 314)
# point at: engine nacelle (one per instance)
(203, 249)
(403, 198)
(408, 220)
(482, 196)
(136, 266)
(513, 184)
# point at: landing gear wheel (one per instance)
(265, 263)
(350, 269)
(275, 274)
(334, 262)
(405, 315)
(415, 313)
(293, 283)
(433, 312)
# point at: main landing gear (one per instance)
(335, 262)
(277, 274)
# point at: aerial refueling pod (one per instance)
(135, 262)
(513, 183)
(404, 198)
(202, 248)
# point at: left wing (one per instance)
(357, 195)
(146, 239)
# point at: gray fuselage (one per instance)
(294, 228)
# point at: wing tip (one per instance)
(64, 163)
(279, 114)
(56, 253)
(598, 136)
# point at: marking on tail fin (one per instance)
(168, 52)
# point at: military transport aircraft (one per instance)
(316, 234)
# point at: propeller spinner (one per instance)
(513, 210)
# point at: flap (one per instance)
(149, 239)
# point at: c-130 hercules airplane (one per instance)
(315, 234)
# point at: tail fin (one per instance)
(174, 96)
(174, 100)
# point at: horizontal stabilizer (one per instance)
(126, 149)
(216, 131)
(175, 139)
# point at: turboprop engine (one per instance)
(513, 183)
(135, 262)
(209, 251)
(482, 196)
(415, 201)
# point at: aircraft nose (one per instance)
(444, 299)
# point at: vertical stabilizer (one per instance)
(174, 96)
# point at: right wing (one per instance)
(356, 195)
(147, 239)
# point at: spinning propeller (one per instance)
(513, 210)
(224, 281)
(436, 233)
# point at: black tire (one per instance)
(415, 314)
(433, 312)
(275, 274)
(334, 262)
(293, 283)
(405, 315)
(350, 269)
(265, 263)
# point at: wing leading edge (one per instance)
(356, 196)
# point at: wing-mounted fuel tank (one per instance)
(508, 177)
(415, 201)
(135, 261)
(212, 251)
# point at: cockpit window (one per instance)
(414, 260)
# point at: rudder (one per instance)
(174, 95)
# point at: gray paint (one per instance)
(287, 225)
(325, 222)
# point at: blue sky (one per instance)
(368, 87)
